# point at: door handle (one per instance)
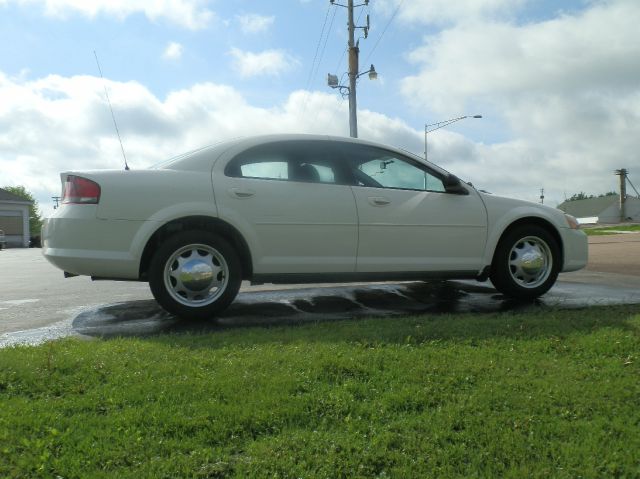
(241, 193)
(379, 200)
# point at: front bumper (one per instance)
(576, 249)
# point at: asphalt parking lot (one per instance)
(37, 303)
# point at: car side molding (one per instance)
(305, 278)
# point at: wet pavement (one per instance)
(37, 304)
(143, 317)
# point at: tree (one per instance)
(35, 220)
(583, 196)
(580, 196)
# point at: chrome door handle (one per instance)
(379, 200)
(241, 193)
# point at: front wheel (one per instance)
(195, 274)
(526, 262)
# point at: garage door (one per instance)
(11, 225)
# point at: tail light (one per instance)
(80, 190)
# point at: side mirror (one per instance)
(384, 163)
(452, 184)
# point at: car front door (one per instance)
(407, 221)
(293, 206)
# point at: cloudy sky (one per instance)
(557, 83)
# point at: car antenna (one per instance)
(106, 93)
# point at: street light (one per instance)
(428, 128)
(373, 74)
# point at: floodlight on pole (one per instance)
(428, 128)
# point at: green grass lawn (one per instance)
(607, 230)
(545, 393)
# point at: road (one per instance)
(615, 253)
(34, 296)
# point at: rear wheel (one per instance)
(526, 262)
(195, 274)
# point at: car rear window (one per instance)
(303, 161)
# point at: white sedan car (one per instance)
(296, 209)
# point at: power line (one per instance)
(393, 16)
(315, 56)
(344, 53)
(326, 39)
(314, 68)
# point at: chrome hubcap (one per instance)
(196, 275)
(530, 262)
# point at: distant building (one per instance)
(14, 219)
(605, 208)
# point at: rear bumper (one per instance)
(576, 249)
(98, 263)
(79, 243)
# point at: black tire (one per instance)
(526, 262)
(195, 274)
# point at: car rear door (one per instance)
(290, 201)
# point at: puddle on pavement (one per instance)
(295, 306)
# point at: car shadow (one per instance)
(267, 309)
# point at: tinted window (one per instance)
(299, 160)
(383, 169)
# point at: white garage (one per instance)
(14, 219)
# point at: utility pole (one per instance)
(354, 51)
(353, 73)
(622, 173)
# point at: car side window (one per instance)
(383, 169)
(268, 169)
(299, 161)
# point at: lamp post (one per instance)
(428, 128)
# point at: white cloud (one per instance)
(254, 23)
(41, 135)
(571, 128)
(564, 56)
(192, 14)
(566, 89)
(173, 51)
(447, 11)
(268, 62)
(57, 123)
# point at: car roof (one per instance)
(197, 159)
